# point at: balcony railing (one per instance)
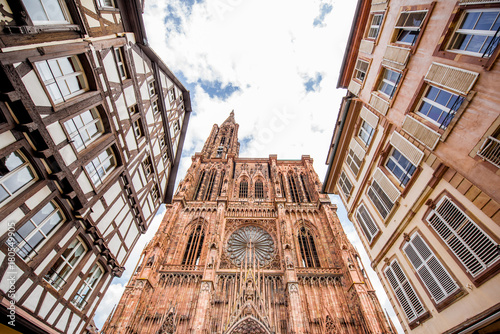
(490, 151)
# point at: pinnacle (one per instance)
(230, 119)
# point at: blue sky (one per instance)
(276, 68)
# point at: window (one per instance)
(162, 142)
(198, 187)
(211, 182)
(137, 126)
(106, 3)
(243, 189)
(100, 167)
(353, 162)
(303, 178)
(82, 296)
(365, 220)
(470, 244)
(194, 246)
(47, 11)
(379, 198)
(433, 274)
(308, 252)
(171, 95)
(220, 150)
(345, 184)
(120, 63)
(63, 77)
(477, 33)
(15, 174)
(176, 126)
(389, 82)
(293, 188)
(360, 70)
(133, 109)
(282, 185)
(147, 165)
(439, 106)
(408, 299)
(366, 133)
(408, 27)
(155, 193)
(400, 167)
(37, 230)
(62, 268)
(151, 88)
(375, 26)
(84, 128)
(221, 182)
(154, 105)
(259, 189)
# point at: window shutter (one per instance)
(379, 104)
(453, 78)
(470, 244)
(357, 149)
(396, 57)
(421, 132)
(354, 87)
(386, 185)
(408, 299)
(365, 220)
(472, 2)
(369, 117)
(436, 278)
(410, 151)
(366, 46)
(379, 5)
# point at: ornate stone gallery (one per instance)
(249, 245)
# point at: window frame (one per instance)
(351, 160)
(243, 189)
(370, 135)
(102, 5)
(137, 127)
(121, 62)
(64, 11)
(259, 191)
(356, 70)
(81, 305)
(416, 8)
(399, 29)
(151, 88)
(446, 37)
(55, 273)
(381, 80)
(367, 230)
(371, 26)
(27, 163)
(84, 81)
(107, 172)
(411, 172)
(94, 111)
(380, 200)
(345, 181)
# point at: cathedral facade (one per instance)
(249, 245)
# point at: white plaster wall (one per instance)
(68, 235)
(35, 90)
(98, 210)
(48, 303)
(56, 132)
(33, 299)
(110, 68)
(45, 262)
(130, 96)
(130, 139)
(14, 217)
(121, 107)
(63, 321)
(68, 154)
(22, 290)
(6, 139)
(84, 183)
(37, 198)
(112, 193)
(133, 232)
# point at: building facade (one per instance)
(415, 157)
(248, 246)
(92, 125)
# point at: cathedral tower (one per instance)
(249, 245)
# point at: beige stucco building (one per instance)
(415, 157)
(92, 125)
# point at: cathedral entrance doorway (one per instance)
(248, 325)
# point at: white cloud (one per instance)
(269, 49)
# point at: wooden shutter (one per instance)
(357, 149)
(379, 104)
(436, 278)
(410, 151)
(421, 132)
(396, 57)
(379, 5)
(473, 247)
(369, 117)
(365, 220)
(366, 46)
(408, 299)
(354, 87)
(452, 78)
(386, 185)
(472, 2)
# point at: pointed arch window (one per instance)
(198, 186)
(221, 182)
(192, 253)
(303, 178)
(259, 189)
(293, 189)
(211, 182)
(308, 252)
(243, 189)
(282, 183)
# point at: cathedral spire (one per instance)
(223, 140)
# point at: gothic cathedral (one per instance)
(249, 245)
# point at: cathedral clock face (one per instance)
(250, 240)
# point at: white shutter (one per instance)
(354, 87)
(365, 220)
(421, 132)
(357, 149)
(379, 104)
(453, 78)
(387, 186)
(436, 278)
(475, 249)
(408, 299)
(410, 151)
(369, 117)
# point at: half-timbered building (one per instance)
(92, 124)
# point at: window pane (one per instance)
(52, 223)
(11, 162)
(19, 179)
(44, 213)
(470, 20)
(486, 21)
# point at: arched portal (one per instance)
(248, 325)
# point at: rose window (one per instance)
(250, 241)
